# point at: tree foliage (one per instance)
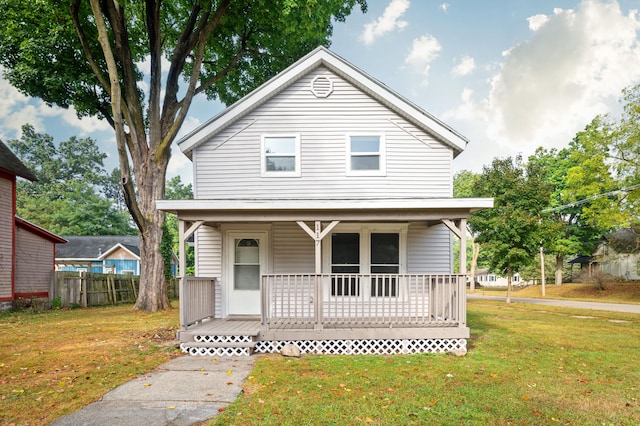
(512, 231)
(92, 55)
(69, 197)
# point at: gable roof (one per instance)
(37, 230)
(321, 56)
(95, 247)
(12, 164)
(624, 240)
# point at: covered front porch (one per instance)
(330, 309)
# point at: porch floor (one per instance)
(224, 327)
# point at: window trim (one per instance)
(263, 156)
(365, 231)
(382, 148)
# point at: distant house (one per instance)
(111, 254)
(488, 279)
(618, 254)
(27, 252)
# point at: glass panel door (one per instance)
(246, 263)
(385, 259)
(345, 259)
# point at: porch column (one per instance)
(463, 246)
(318, 234)
(184, 234)
(460, 230)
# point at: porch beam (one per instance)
(324, 216)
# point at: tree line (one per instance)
(563, 200)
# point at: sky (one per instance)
(509, 75)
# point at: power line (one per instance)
(586, 200)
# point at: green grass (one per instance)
(526, 365)
(55, 362)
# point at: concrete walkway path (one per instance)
(184, 391)
(599, 306)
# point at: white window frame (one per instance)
(365, 231)
(263, 156)
(382, 155)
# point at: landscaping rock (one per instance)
(457, 352)
(290, 350)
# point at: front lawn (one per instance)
(526, 365)
(55, 362)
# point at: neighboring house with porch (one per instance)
(27, 251)
(618, 254)
(323, 217)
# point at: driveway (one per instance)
(598, 306)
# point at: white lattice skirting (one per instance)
(333, 347)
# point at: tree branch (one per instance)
(116, 108)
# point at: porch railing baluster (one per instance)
(300, 301)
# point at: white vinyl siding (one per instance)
(293, 249)
(6, 239)
(34, 262)
(229, 165)
(209, 260)
(430, 249)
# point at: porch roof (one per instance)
(274, 210)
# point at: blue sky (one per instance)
(510, 75)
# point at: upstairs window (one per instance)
(281, 155)
(366, 155)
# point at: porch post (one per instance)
(182, 255)
(463, 246)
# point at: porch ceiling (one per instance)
(380, 210)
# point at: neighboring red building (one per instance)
(27, 252)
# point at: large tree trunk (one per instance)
(559, 265)
(152, 295)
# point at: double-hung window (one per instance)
(366, 155)
(280, 155)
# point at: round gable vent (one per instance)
(321, 86)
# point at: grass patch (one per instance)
(616, 292)
(526, 365)
(55, 362)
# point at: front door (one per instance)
(246, 254)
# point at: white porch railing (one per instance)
(363, 300)
(197, 300)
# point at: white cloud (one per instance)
(444, 7)
(551, 86)
(537, 21)
(465, 66)
(387, 22)
(423, 51)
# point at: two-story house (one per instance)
(323, 217)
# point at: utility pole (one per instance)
(542, 277)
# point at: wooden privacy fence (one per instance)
(92, 289)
